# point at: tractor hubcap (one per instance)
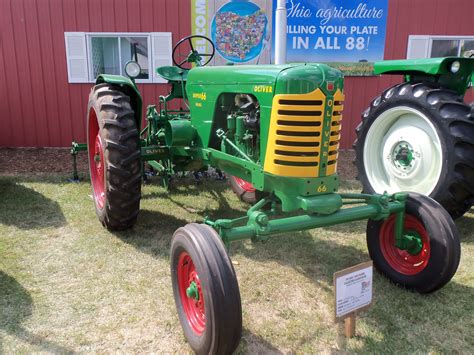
(403, 156)
(410, 254)
(191, 294)
(411, 242)
(192, 291)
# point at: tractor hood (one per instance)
(305, 78)
(236, 74)
(295, 78)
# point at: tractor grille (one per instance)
(296, 135)
(335, 134)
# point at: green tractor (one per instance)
(276, 127)
(419, 135)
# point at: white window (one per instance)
(90, 54)
(440, 46)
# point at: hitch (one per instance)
(75, 149)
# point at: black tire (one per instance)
(111, 122)
(197, 248)
(453, 122)
(438, 260)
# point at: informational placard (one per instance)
(337, 31)
(240, 29)
(353, 289)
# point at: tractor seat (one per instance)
(172, 73)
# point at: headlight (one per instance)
(132, 69)
(455, 66)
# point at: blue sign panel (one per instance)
(335, 30)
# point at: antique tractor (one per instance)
(419, 135)
(276, 127)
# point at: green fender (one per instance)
(431, 69)
(130, 88)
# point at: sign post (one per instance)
(353, 293)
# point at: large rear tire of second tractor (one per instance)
(114, 157)
(418, 137)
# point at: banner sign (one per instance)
(330, 31)
(199, 23)
(240, 29)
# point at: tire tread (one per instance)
(120, 135)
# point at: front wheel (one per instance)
(431, 252)
(205, 290)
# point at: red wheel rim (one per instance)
(401, 260)
(245, 185)
(194, 310)
(96, 160)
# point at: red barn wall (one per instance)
(39, 108)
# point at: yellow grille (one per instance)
(295, 134)
(335, 133)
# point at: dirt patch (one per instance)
(39, 160)
(15, 161)
(345, 165)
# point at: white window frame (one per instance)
(430, 39)
(87, 38)
(117, 35)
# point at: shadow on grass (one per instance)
(16, 305)
(37, 211)
(465, 225)
(317, 259)
(254, 344)
(396, 311)
(152, 233)
(188, 187)
(442, 320)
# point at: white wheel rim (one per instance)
(402, 152)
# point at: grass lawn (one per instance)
(67, 284)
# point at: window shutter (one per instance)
(76, 57)
(161, 53)
(418, 47)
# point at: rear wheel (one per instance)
(418, 137)
(114, 157)
(431, 252)
(205, 290)
(243, 189)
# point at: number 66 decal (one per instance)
(322, 188)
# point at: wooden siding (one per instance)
(39, 108)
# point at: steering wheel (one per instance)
(192, 55)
